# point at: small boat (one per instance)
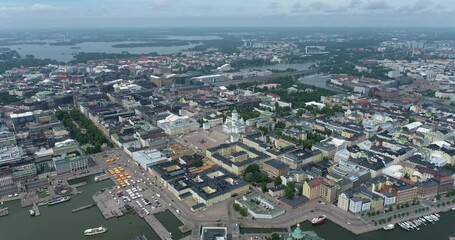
(389, 227)
(4, 212)
(94, 231)
(99, 177)
(32, 212)
(453, 209)
(318, 220)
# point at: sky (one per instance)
(226, 13)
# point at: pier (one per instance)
(109, 207)
(83, 208)
(157, 226)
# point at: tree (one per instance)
(280, 125)
(289, 190)
(198, 163)
(299, 190)
(243, 212)
(264, 187)
(406, 175)
(277, 181)
(236, 207)
(275, 236)
(438, 197)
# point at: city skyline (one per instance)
(205, 13)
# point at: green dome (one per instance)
(297, 233)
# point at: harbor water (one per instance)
(441, 230)
(58, 222)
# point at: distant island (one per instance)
(9, 43)
(167, 43)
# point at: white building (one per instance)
(149, 157)
(176, 125)
(233, 124)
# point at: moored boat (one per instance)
(31, 212)
(100, 177)
(389, 227)
(58, 200)
(4, 212)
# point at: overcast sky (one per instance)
(194, 13)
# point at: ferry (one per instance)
(318, 220)
(4, 212)
(94, 231)
(58, 200)
(389, 227)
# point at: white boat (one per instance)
(94, 231)
(453, 209)
(58, 200)
(318, 220)
(100, 177)
(389, 227)
(32, 212)
(4, 212)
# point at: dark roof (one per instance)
(277, 164)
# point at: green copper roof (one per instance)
(297, 233)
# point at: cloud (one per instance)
(298, 8)
(43, 7)
(325, 7)
(35, 8)
(355, 3)
(418, 6)
(161, 3)
(273, 5)
(375, 5)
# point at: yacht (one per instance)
(318, 220)
(389, 227)
(94, 231)
(58, 200)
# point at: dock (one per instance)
(109, 207)
(83, 208)
(36, 210)
(157, 226)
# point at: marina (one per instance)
(415, 224)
